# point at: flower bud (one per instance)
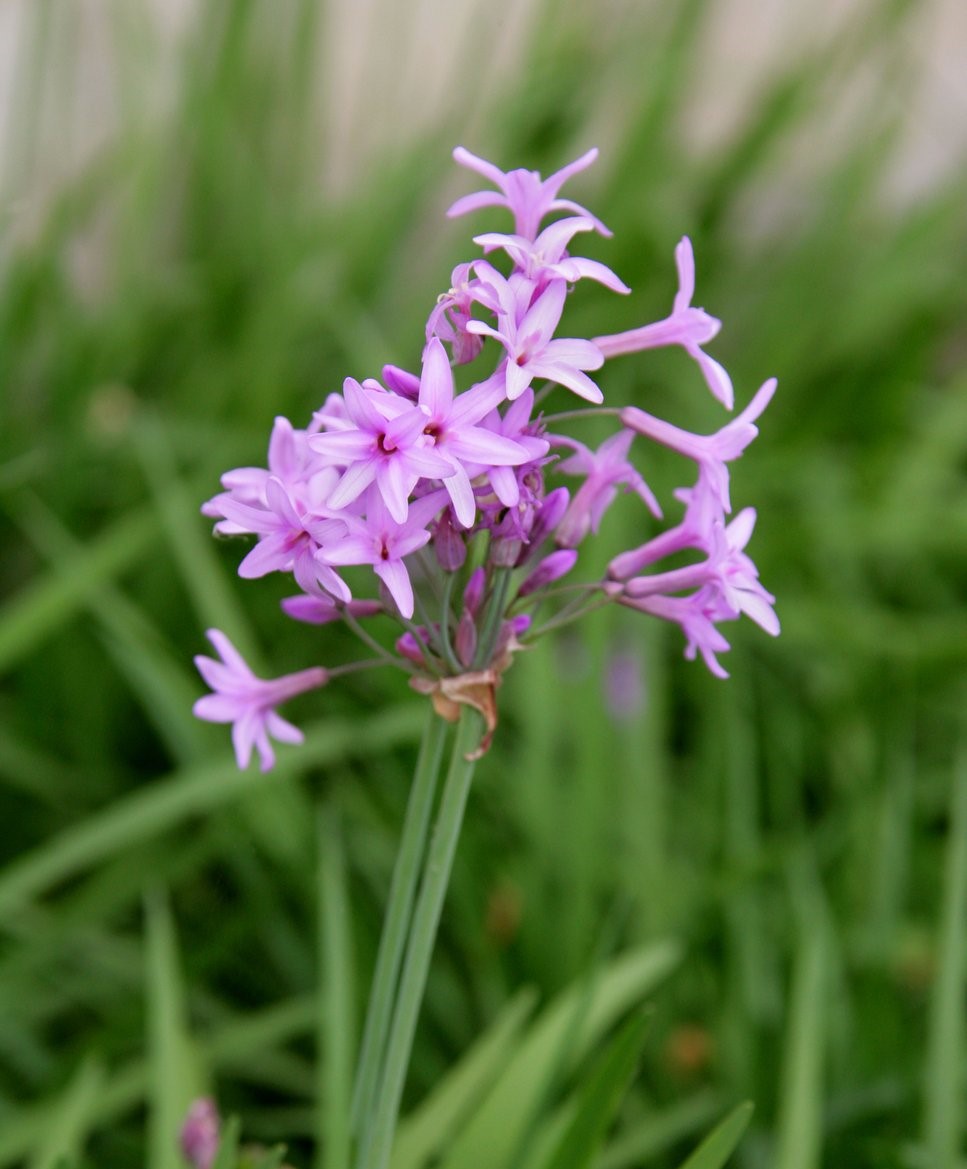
(200, 1133)
(473, 593)
(550, 569)
(466, 640)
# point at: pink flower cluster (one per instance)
(443, 507)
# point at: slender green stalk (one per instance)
(496, 607)
(398, 911)
(377, 1135)
(336, 1005)
(944, 1079)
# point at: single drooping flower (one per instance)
(460, 518)
(604, 471)
(249, 703)
(689, 327)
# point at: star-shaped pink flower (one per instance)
(249, 702)
(532, 349)
(523, 192)
(689, 327)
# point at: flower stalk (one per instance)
(377, 1136)
(396, 924)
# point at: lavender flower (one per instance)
(452, 503)
(532, 350)
(249, 703)
(604, 470)
(523, 192)
(687, 326)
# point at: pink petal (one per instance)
(685, 261)
(394, 575)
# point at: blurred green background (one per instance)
(249, 208)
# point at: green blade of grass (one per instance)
(799, 1135)
(943, 1088)
(428, 1129)
(193, 791)
(336, 1025)
(42, 609)
(599, 1097)
(174, 1073)
(639, 1144)
(227, 1155)
(506, 1113)
(162, 685)
(720, 1143)
(67, 1126)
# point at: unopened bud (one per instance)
(200, 1132)
(550, 569)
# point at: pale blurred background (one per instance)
(79, 72)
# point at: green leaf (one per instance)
(66, 1126)
(640, 1143)
(598, 1099)
(335, 1026)
(227, 1155)
(430, 1127)
(40, 611)
(174, 1073)
(718, 1146)
(944, 1081)
(565, 1031)
(799, 1136)
(193, 791)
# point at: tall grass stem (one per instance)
(398, 913)
(377, 1136)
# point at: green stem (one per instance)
(567, 617)
(374, 645)
(336, 1016)
(377, 1140)
(493, 618)
(397, 922)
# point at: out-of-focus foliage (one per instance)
(793, 828)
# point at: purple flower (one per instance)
(696, 614)
(605, 470)
(523, 192)
(687, 326)
(451, 425)
(532, 349)
(387, 446)
(380, 541)
(429, 487)
(452, 312)
(248, 702)
(200, 1133)
(290, 461)
(323, 610)
(546, 258)
(289, 540)
(702, 513)
(737, 578)
(710, 451)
